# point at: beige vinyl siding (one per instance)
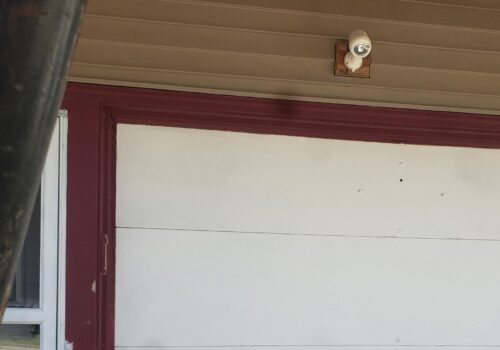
(427, 54)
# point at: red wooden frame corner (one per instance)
(95, 110)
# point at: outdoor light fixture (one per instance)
(360, 46)
(352, 57)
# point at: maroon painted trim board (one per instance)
(95, 110)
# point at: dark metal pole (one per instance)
(37, 38)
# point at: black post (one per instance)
(37, 38)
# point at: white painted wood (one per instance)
(439, 347)
(234, 240)
(195, 179)
(187, 288)
(432, 347)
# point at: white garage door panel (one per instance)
(187, 288)
(437, 347)
(211, 180)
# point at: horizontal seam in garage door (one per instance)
(310, 234)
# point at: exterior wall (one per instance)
(438, 54)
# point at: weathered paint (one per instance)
(94, 112)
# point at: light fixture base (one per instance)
(340, 68)
(353, 62)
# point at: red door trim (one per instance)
(95, 110)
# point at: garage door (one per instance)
(234, 240)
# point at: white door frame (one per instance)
(50, 313)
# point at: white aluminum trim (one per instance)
(48, 245)
(23, 316)
(50, 314)
(61, 292)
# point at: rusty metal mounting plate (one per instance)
(340, 69)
